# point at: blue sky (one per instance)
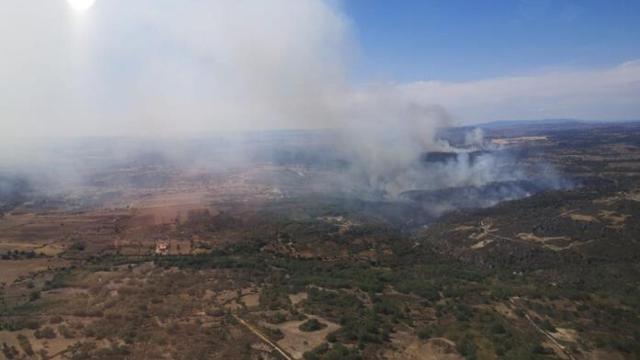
(463, 40)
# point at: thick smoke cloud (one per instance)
(167, 69)
(164, 68)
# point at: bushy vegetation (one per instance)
(359, 324)
(335, 352)
(45, 333)
(20, 255)
(312, 325)
(25, 344)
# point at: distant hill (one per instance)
(511, 128)
(541, 122)
(551, 124)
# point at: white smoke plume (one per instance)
(167, 69)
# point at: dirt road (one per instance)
(545, 333)
(264, 338)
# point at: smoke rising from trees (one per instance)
(165, 69)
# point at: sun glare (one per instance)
(81, 5)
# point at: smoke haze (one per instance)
(161, 68)
(178, 70)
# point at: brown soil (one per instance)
(409, 347)
(297, 342)
(10, 270)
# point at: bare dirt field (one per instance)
(409, 347)
(297, 342)
(11, 270)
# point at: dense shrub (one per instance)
(25, 344)
(312, 325)
(45, 333)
